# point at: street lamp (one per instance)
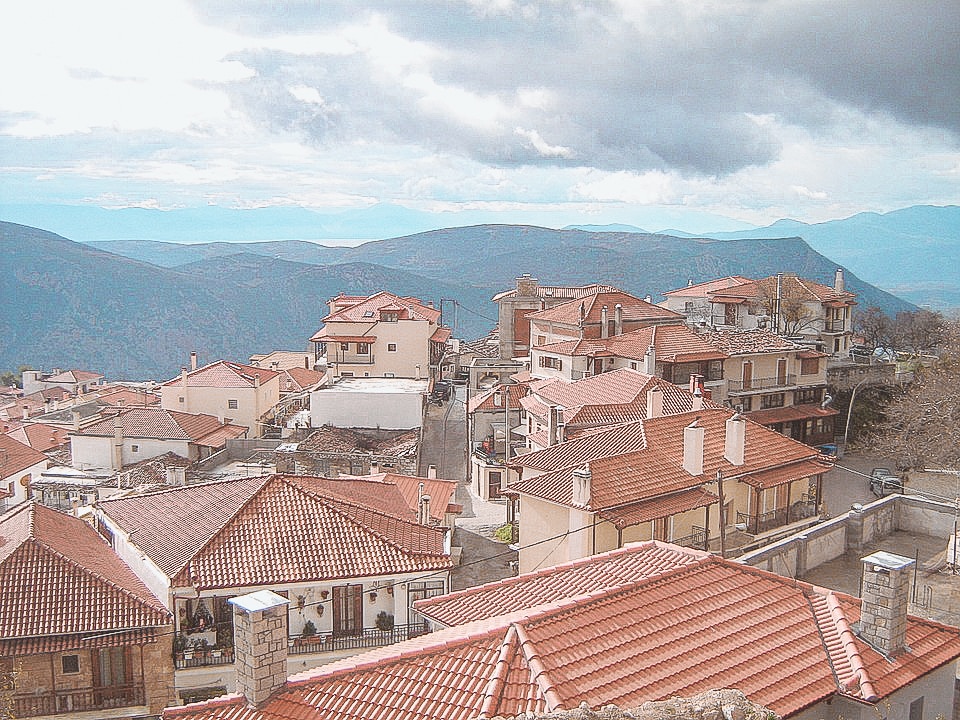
(853, 396)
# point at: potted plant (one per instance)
(179, 645)
(384, 621)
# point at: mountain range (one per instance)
(137, 311)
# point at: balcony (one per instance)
(202, 658)
(773, 519)
(761, 384)
(696, 539)
(55, 702)
(359, 640)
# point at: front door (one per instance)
(660, 529)
(782, 371)
(348, 609)
(747, 374)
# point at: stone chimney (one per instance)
(885, 597)
(260, 644)
(552, 425)
(581, 486)
(735, 440)
(193, 360)
(654, 402)
(693, 448)
(618, 319)
(117, 458)
(526, 285)
(604, 330)
(838, 283)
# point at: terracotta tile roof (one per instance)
(278, 529)
(58, 578)
(781, 475)
(705, 288)
(441, 335)
(672, 343)
(548, 585)
(284, 359)
(73, 376)
(709, 624)
(486, 400)
(404, 503)
(655, 465)
(634, 309)
(224, 374)
(154, 422)
(562, 291)
(329, 438)
(126, 397)
(384, 300)
(748, 342)
(326, 335)
(661, 506)
(40, 436)
(298, 378)
(790, 413)
(16, 457)
(791, 286)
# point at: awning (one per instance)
(659, 507)
(780, 476)
(790, 413)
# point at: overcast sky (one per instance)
(555, 112)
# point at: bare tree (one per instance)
(918, 332)
(875, 327)
(790, 305)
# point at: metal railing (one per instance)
(205, 658)
(806, 507)
(696, 539)
(361, 638)
(761, 383)
(79, 700)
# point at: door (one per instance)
(494, 483)
(348, 609)
(660, 529)
(112, 678)
(747, 374)
(782, 371)
(729, 314)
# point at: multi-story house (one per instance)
(529, 296)
(20, 464)
(80, 634)
(776, 383)
(239, 394)
(383, 335)
(350, 555)
(492, 416)
(140, 433)
(817, 315)
(690, 478)
(75, 382)
(622, 631)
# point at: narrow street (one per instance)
(444, 446)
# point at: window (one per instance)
(363, 348)
(809, 366)
(745, 404)
(134, 448)
(390, 317)
(71, 664)
(233, 404)
(347, 610)
(389, 374)
(391, 347)
(541, 339)
(808, 395)
(368, 313)
(715, 370)
(633, 365)
(551, 362)
(346, 374)
(180, 399)
(771, 401)
(344, 346)
(916, 709)
(688, 307)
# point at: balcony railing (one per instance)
(696, 539)
(73, 701)
(362, 638)
(205, 658)
(761, 383)
(762, 522)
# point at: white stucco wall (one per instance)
(390, 404)
(89, 451)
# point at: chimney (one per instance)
(581, 486)
(260, 644)
(117, 443)
(374, 469)
(603, 322)
(696, 383)
(648, 299)
(552, 425)
(618, 319)
(654, 402)
(497, 398)
(416, 371)
(176, 476)
(527, 285)
(693, 448)
(697, 402)
(431, 471)
(75, 419)
(256, 380)
(193, 360)
(838, 283)
(735, 439)
(885, 597)
(183, 376)
(423, 514)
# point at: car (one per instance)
(442, 390)
(883, 482)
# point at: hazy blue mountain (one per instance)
(170, 254)
(612, 227)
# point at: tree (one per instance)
(921, 427)
(792, 300)
(875, 327)
(918, 332)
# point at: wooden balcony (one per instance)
(55, 702)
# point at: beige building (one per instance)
(383, 335)
(20, 465)
(237, 394)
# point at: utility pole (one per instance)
(723, 532)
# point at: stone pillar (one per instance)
(260, 644)
(885, 598)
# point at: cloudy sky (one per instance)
(680, 113)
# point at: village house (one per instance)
(20, 464)
(237, 394)
(529, 296)
(383, 335)
(776, 383)
(140, 433)
(73, 382)
(621, 631)
(691, 478)
(332, 451)
(80, 633)
(817, 315)
(350, 555)
(492, 416)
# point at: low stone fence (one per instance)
(798, 554)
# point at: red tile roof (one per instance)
(547, 585)
(278, 529)
(486, 400)
(710, 624)
(40, 436)
(672, 343)
(224, 374)
(60, 580)
(791, 286)
(154, 422)
(383, 300)
(73, 376)
(633, 308)
(705, 288)
(790, 413)
(17, 457)
(660, 506)
(747, 342)
(561, 291)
